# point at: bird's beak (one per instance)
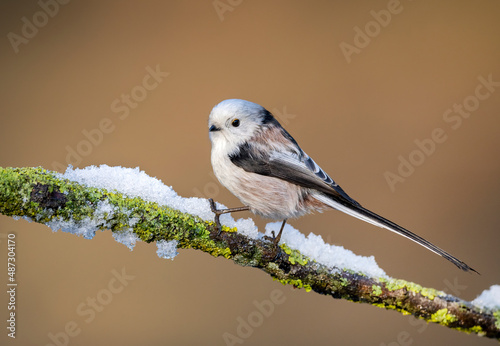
(213, 128)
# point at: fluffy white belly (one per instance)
(266, 196)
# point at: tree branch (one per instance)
(45, 197)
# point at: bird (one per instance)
(260, 163)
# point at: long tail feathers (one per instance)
(377, 220)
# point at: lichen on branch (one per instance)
(48, 198)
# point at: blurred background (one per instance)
(362, 86)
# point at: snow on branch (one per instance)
(136, 207)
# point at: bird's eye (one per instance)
(236, 122)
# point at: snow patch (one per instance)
(167, 249)
(126, 237)
(489, 298)
(332, 256)
(85, 227)
(133, 182)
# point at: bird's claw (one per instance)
(217, 213)
(276, 239)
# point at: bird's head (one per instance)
(233, 122)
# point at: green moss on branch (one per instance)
(45, 197)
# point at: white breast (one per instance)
(266, 196)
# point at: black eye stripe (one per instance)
(235, 122)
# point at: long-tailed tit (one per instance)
(256, 159)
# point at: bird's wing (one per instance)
(298, 168)
(293, 166)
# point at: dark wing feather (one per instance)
(294, 167)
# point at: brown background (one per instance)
(354, 119)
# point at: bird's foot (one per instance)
(217, 213)
(275, 239)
